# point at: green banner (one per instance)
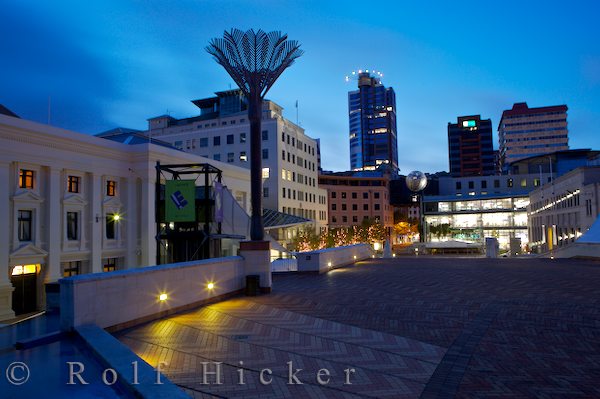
(180, 201)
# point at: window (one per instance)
(266, 192)
(283, 155)
(471, 185)
(496, 183)
(333, 194)
(523, 182)
(242, 137)
(365, 195)
(204, 142)
(26, 178)
(230, 139)
(283, 136)
(243, 157)
(333, 219)
(536, 182)
(376, 195)
(110, 265)
(217, 140)
(333, 207)
(265, 135)
(344, 195)
(283, 192)
(484, 184)
(458, 185)
(111, 228)
(354, 207)
(365, 207)
(178, 144)
(265, 153)
(111, 188)
(509, 183)
(72, 226)
(344, 207)
(25, 224)
(72, 268)
(73, 184)
(354, 195)
(217, 157)
(266, 173)
(230, 156)
(293, 141)
(376, 207)
(355, 219)
(344, 219)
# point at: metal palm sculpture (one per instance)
(254, 60)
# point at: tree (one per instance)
(254, 60)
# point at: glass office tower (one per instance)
(372, 114)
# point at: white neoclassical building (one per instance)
(72, 203)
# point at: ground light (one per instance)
(328, 264)
(162, 297)
(210, 286)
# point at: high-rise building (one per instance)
(470, 147)
(289, 156)
(525, 132)
(372, 113)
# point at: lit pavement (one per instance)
(409, 327)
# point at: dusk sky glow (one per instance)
(117, 63)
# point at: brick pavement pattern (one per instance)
(409, 327)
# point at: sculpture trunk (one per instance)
(254, 115)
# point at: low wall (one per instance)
(324, 260)
(575, 250)
(128, 297)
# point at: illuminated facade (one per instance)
(75, 204)
(562, 211)
(526, 132)
(372, 115)
(473, 208)
(470, 147)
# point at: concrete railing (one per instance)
(284, 265)
(326, 259)
(128, 297)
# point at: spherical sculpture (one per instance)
(416, 181)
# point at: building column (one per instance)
(97, 220)
(257, 261)
(54, 227)
(131, 228)
(6, 287)
(148, 223)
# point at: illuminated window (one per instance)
(73, 184)
(24, 269)
(111, 188)
(536, 182)
(25, 222)
(110, 265)
(72, 226)
(242, 138)
(266, 173)
(243, 156)
(71, 268)
(523, 182)
(509, 182)
(26, 178)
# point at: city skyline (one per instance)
(109, 64)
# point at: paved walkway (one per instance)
(409, 327)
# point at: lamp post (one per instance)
(254, 60)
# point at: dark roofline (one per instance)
(7, 112)
(591, 153)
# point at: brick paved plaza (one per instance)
(409, 327)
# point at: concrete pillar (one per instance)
(54, 226)
(6, 287)
(148, 223)
(131, 220)
(96, 239)
(257, 260)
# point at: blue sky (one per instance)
(116, 63)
